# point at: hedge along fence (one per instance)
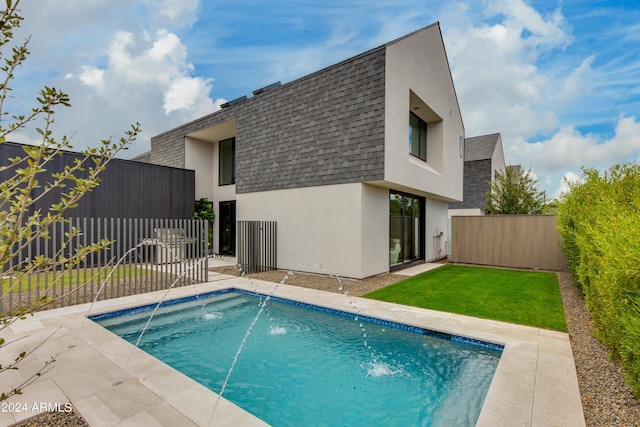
(599, 220)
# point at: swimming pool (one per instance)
(304, 364)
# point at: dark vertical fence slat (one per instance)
(91, 261)
(204, 249)
(99, 259)
(70, 270)
(257, 246)
(156, 255)
(50, 278)
(119, 253)
(146, 250)
(39, 249)
(148, 263)
(84, 270)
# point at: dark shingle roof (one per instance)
(480, 147)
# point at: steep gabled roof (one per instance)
(480, 147)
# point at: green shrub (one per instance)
(599, 220)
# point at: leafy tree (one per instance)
(515, 192)
(551, 207)
(20, 222)
(204, 210)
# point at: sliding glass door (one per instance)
(406, 230)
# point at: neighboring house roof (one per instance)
(480, 147)
(479, 157)
(516, 169)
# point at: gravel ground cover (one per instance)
(606, 400)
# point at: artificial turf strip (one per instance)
(71, 278)
(522, 297)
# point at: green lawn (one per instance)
(73, 278)
(523, 297)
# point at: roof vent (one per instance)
(234, 102)
(266, 89)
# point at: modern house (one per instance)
(483, 161)
(357, 163)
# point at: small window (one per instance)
(226, 162)
(461, 147)
(417, 137)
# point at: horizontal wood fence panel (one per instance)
(518, 241)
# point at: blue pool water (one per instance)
(303, 365)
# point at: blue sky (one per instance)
(559, 80)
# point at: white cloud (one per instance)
(156, 59)
(568, 150)
(182, 13)
(580, 80)
(186, 93)
(115, 73)
(91, 76)
(543, 32)
(567, 179)
(500, 87)
(138, 67)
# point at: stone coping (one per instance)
(535, 383)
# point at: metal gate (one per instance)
(257, 246)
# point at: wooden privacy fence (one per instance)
(257, 246)
(146, 255)
(518, 241)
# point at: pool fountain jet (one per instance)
(144, 242)
(263, 305)
(179, 277)
(157, 306)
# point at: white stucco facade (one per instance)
(418, 80)
(343, 228)
(202, 156)
(497, 160)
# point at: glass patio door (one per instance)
(406, 234)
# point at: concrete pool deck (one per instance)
(535, 383)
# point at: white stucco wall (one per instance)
(375, 230)
(198, 155)
(344, 227)
(497, 159)
(202, 156)
(436, 222)
(466, 212)
(418, 64)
